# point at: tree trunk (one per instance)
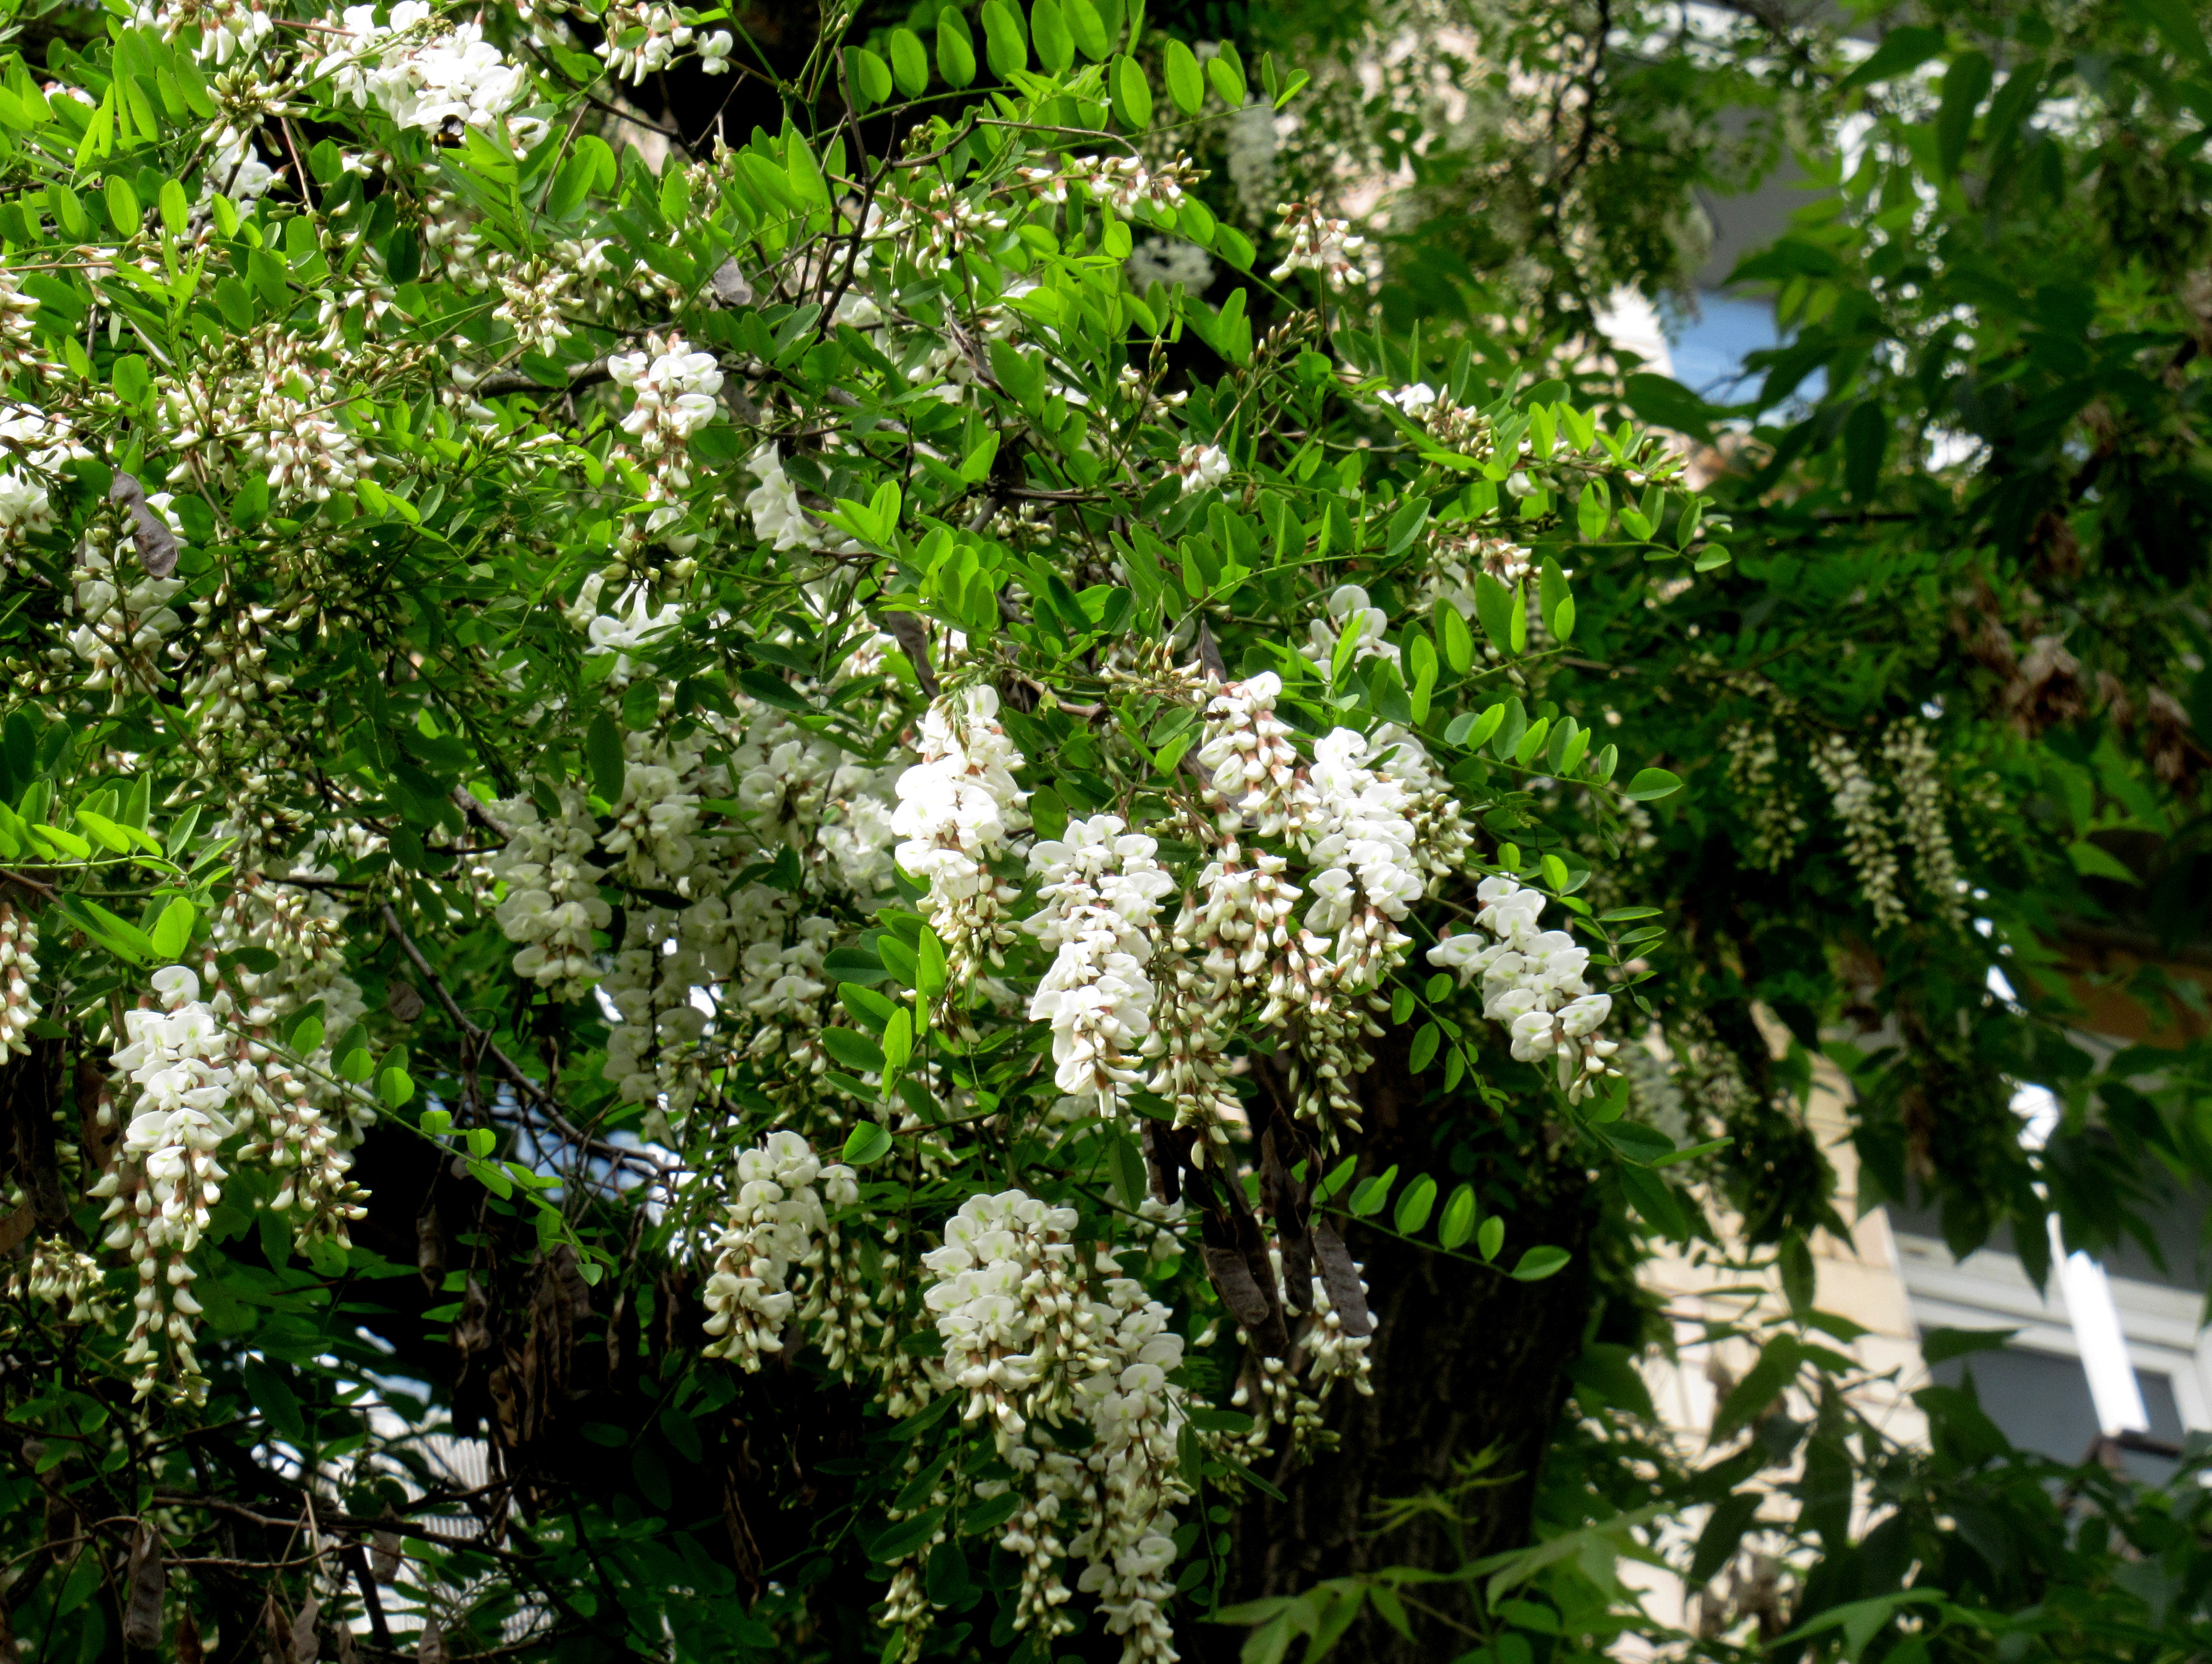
(1468, 1367)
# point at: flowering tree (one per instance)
(726, 817)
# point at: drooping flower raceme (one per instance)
(1533, 982)
(773, 1244)
(957, 807)
(1103, 885)
(178, 1057)
(19, 973)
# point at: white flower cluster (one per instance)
(1768, 806)
(621, 633)
(1362, 827)
(1201, 467)
(957, 807)
(552, 903)
(1101, 885)
(779, 520)
(423, 74)
(675, 388)
(19, 975)
(1318, 243)
(161, 1193)
(34, 447)
(1255, 776)
(1374, 823)
(1867, 839)
(1026, 1336)
(779, 1225)
(1005, 1294)
(655, 33)
(1350, 612)
(19, 343)
(1918, 771)
(1532, 982)
(1137, 1414)
(124, 610)
(228, 28)
(1272, 1390)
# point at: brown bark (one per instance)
(1465, 1362)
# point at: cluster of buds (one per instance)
(939, 227)
(1122, 183)
(19, 973)
(62, 1277)
(1451, 425)
(1318, 243)
(531, 297)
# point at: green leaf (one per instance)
(866, 1145)
(1186, 82)
(1458, 1222)
(1132, 95)
(106, 832)
(872, 1010)
(1087, 27)
(1004, 43)
(1226, 72)
(1902, 50)
(1724, 1531)
(1539, 1263)
(805, 173)
(1491, 1237)
(898, 1541)
(871, 76)
(1666, 403)
(956, 48)
(395, 1087)
(898, 1041)
(1130, 1182)
(1373, 1191)
(173, 931)
(930, 972)
(1336, 1179)
(854, 1049)
(1048, 29)
(122, 207)
(1414, 1205)
(1496, 605)
(603, 752)
(1551, 594)
(2094, 861)
(1965, 83)
(1651, 784)
(1778, 1366)
(1593, 511)
(1942, 1345)
(1424, 1050)
(909, 63)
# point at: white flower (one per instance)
(1202, 467)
